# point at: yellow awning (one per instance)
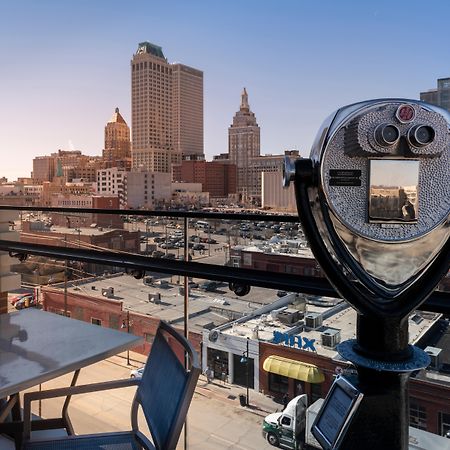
(293, 369)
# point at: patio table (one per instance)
(37, 346)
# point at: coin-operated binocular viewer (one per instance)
(374, 203)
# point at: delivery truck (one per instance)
(291, 429)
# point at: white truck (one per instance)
(291, 429)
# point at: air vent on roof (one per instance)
(313, 320)
(331, 337)
(108, 292)
(435, 355)
(155, 298)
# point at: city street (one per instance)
(215, 421)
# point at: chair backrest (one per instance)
(167, 387)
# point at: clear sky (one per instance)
(65, 64)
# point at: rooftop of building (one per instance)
(117, 117)
(338, 321)
(238, 316)
(152, 49)
(206, 309)
(82, 231)
(281, 246)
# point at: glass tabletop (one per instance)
(36, 346)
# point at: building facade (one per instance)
(117, 151)
(167, 110)
(187, 111)
(43, 168)
(111, 182)
(68, 164)
(244, 145)
(217, 177)
(439, 96)
(147, 189)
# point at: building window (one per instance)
(444, 423)
(278, 383)
(316, 392)
(96, 321)
(417, 415)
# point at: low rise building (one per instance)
(147, 189)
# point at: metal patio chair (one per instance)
(164, 393)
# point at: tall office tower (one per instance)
(187, 112)
(439, 96)
(167, 110)
(243, 144)
(117, 142)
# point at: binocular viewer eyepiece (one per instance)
(374, 201)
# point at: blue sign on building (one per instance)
(294, 341)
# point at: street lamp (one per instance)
(245, 358)
(127, 325)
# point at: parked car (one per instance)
(198, 247)
(137, 373)
(209, 285)
(26, 301)
(14, 299)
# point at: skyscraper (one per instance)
(117, 151)
(439, 96)
(187, 112)
(243, 145)
(167, 110)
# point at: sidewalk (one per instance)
(259, 404)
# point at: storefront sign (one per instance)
(294, 341)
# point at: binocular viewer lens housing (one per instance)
(421, 135)
(386, 134)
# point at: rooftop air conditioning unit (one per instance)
(435, 355)
(331, 337)
(289, 316)
(313, 320)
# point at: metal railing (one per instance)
(438, 302)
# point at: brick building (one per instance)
(108, 312)
(218, 178)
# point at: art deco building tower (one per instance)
(117, 149)
(167, 110)
(243, 144)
